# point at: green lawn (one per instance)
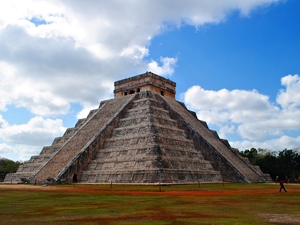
(176, 204)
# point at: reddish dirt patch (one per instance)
(160, 214)
(78, 189)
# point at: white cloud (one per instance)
(226, 129)
(135, 52)
(32, 94)
(251, 115)
(289, 98)
(166, 67)
(36, 132)
(237, 105)
(276, 144)
(65, 50)
(54, 53)
(3, 123)
(25, 140)
(7, 150)
(18, 152)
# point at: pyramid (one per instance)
(142, 135)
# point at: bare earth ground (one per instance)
(78, 189)
(272, 218)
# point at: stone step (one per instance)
(80, 122)
(39, 159)
(16, 177)
(49, 149)
(70, 132)
(144, 102)
(59, 141)
(143, 128)
(29, 168)
(175, 151)
(141, 150)
(143, 139)
(147, 111)
(151, 176)
(140, 158)
(138, 119)
(105, 171)
(149, 162)
(92, 113)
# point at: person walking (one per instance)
(281, 183)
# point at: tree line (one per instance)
(7, 166)
(284, 164)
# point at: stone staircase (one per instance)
(31, 166)
(74, 145)
(148, 147)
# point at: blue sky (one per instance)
(253, 51)
(236, 64)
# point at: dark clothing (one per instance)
(281, 186)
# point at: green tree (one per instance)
(268, 164)
(289, 163)
(285, 164)
(251, 154)
(7, 166)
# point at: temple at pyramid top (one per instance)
(145, 82)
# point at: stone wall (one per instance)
(145, 82)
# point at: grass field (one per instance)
(131, 204)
